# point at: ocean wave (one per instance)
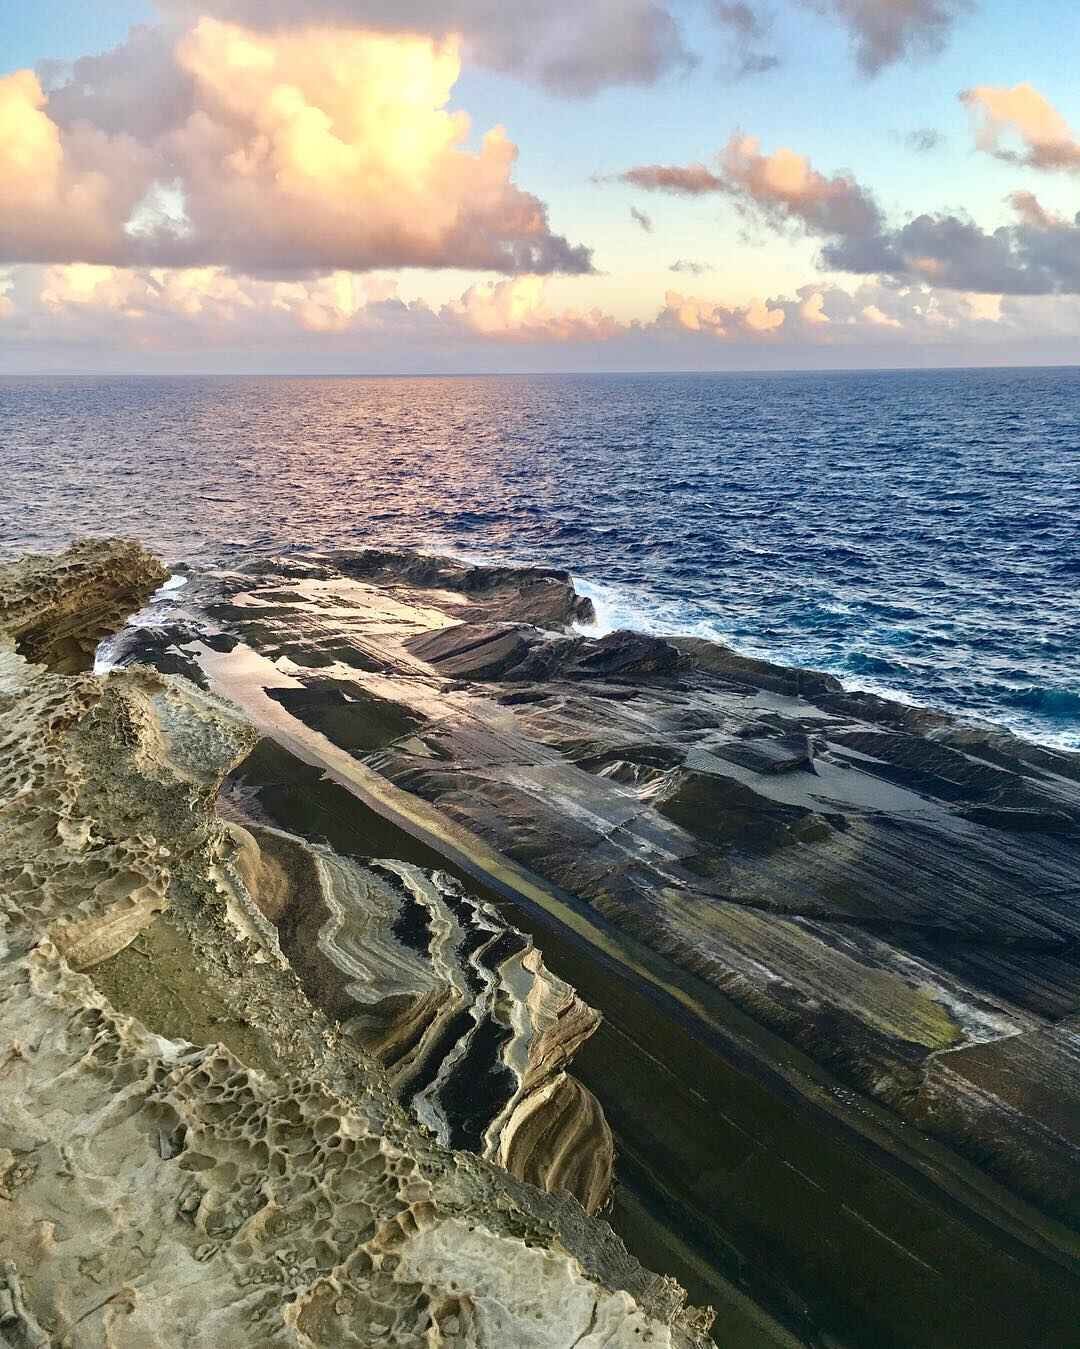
(722, 509)
(622, 607)
(863, 663)
(1057, 704)
(617, 607)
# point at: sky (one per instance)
(410, 186)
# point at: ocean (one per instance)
(914, 532)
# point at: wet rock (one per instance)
(544, 596)
(470, 651)
(347, 714)
(770, 754)
(868, 880)
(162, 1061)
(522, 654)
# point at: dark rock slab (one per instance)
(883, 886)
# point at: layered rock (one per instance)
(884, 887)
(192, 1152)
(57, 609)
(474, 1033)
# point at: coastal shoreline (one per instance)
(649, 812)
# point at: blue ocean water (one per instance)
(913, 532)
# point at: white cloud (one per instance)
(309, 149)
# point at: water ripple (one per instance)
(914, 532)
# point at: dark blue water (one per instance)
(914, 532)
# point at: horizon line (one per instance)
(529, 374)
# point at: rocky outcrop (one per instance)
(881, 893)
(875, 903)
(474, 1033)
(543, 596)
(57, 609)
(192, 1152)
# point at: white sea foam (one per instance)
(105, 656)
(619, 607)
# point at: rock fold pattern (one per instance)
(475, 1034)
(192, 1152)
(895, 893)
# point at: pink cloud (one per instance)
(1038, 255)
(516, 310)
(781, 186)
(307, 149)
(695, 315)
(194, 309)
(1047, 139)
(62, 194)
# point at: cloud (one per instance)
(516, 310)
(62, 194)
(311, 149)
(923, 140)
(563, 45)
(691, 268)
(575, 49)
(1047, 139)
(780, 187)
(211, 304)
(696, 315)
(884, 32)
(785, 185)
(741, 18)
(1032, 212)
(1039, 254)
(95, 314)
(695, 180)
(812, 309)
(748, 28)
(136, 87)
(641, 218)
(209, 298)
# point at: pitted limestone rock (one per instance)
(57, 608)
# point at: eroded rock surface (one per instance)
(474, 1032)
(192, 1153)
(56, 609)
(894, 893)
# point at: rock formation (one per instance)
(474, 1033)
(57, 609)
(192, 1152)
(891, 893)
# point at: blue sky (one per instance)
(571, 151)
